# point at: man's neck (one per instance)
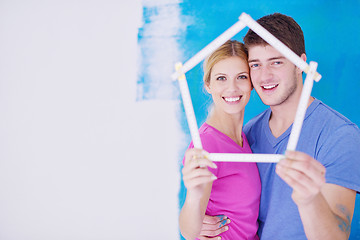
(282, 116)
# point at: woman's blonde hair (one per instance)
(229, 49)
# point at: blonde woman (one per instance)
(223, 188)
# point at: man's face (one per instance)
(273, 76)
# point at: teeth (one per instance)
(269, 86)
(232, 99)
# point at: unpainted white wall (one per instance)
(79, 157)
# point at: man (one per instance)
(310, 194)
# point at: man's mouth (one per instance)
(269, 86)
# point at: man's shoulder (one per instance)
(329, 127)
(330, 118)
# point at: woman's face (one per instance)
(230, 85)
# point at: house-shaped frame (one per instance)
(310, 69)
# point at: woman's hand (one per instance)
(195, 172)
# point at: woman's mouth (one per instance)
(232, 99)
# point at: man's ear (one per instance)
(303, 57)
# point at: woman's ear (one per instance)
(207, 87)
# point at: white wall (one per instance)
(79, 158)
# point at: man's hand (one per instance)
(213, 226)
(304, 174)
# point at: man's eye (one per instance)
(277, 62)
(221, 78)
(255, 65)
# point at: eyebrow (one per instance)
(226, 74)
(269, 59)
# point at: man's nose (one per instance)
(266, 73)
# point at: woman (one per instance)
(225, 188)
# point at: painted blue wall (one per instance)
(332, 37)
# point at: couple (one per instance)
(308, 195)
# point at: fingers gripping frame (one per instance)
(310, 69)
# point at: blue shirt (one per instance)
(328, 137)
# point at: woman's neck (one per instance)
(230, 125)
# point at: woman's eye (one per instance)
(242, 77)
(221, 78)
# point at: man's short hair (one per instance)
(283, 28)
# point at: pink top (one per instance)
(236, 192)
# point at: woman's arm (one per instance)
(198, 181)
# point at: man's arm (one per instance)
(326, 210)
